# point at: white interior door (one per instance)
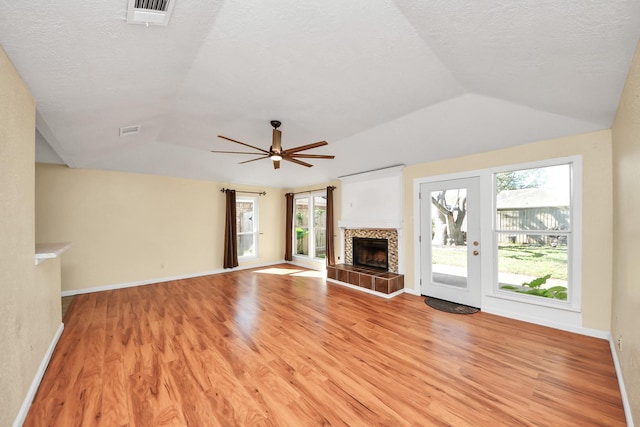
(450, 246)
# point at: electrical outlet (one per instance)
(620, 343)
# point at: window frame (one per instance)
(573, 235)
(255, 222)
(310, 227)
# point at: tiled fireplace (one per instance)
(390, 234)
(372, 209)
(371, 278)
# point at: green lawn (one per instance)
(534, 261)
(529, 260)
(450, 255)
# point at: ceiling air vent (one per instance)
(129, 130)
(149, 12)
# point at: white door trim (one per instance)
(471, 293)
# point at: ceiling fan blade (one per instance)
(276, 145)
(304, 147)
(233, 152)
(253, 160)
(291, 159)
(276, 153)
(312, 156)
(242, 143)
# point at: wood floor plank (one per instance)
(269, 347)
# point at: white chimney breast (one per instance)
(372, 199)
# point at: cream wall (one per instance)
(30, 302)
(127, 228)
(595, 149)
(626, 235)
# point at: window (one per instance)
(247, 226)
(533, 232)
(310, 226)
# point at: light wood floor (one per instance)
(271, 347)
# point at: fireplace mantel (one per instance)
(376, 224)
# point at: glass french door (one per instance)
(450, 247)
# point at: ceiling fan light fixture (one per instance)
(276, 153)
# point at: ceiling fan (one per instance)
(276, 153)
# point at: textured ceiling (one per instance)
(385, 82)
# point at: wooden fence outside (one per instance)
(524, 223)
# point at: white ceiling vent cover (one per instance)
(129, 130)
(149, 12)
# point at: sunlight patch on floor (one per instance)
(311, 273)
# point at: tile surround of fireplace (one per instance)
(387, 233)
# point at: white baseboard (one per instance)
(365, 290)
(412, 292)
(26, 404)
(163, 279)
(623, 389)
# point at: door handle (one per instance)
(476, 253)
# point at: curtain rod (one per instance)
(317, 189)
(262, 193)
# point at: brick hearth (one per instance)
(375, 280)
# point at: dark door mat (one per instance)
(449, 307)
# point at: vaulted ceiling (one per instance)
(385, 82)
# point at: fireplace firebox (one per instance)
(371, 253)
